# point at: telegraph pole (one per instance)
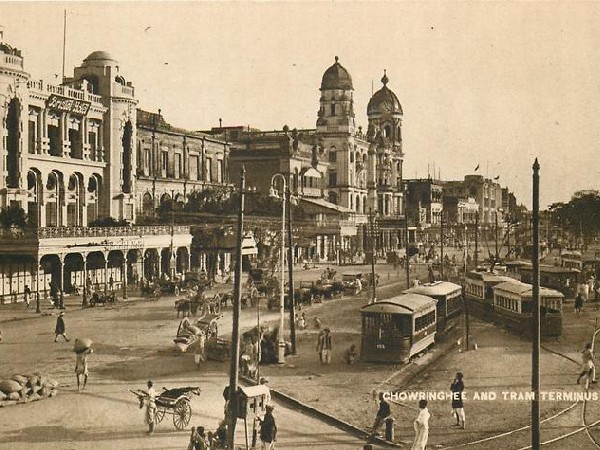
(290, 257)
(535, 339)
(476, 238)
(442, 245)
(235, 335)
(407, 256)
(372, 246)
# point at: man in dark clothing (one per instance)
(383, 413)
(457, 387)
(60, 329)
(268, 430)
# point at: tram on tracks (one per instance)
(478, 292)
(397, 328)
(562, 279)
(513, 308)
(449, 301)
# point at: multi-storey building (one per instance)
(173, 162)
(340, 172)
(69, 160)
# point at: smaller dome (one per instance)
(336, 77)
(384, 101)
(99, 57)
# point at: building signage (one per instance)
(69, 105)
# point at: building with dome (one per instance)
(69, 160)
(343, 170)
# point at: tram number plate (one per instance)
(382, 346)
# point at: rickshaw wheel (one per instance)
(182, 414)
(159, 415)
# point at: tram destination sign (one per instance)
(69, 105)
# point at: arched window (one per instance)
(12, 144)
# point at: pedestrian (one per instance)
(578, 303)
(60, 329)
(61, 299)
(27, 295)
(383, 412)
(317, 323)
(421, 425)
(416, 282)
(198, 439)
(268, 429)
(324, 346)
(588, 369)
(457, 387)
(111, 283)
(54, 294)
(150, 399)
(81, 369)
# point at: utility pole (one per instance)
(442, 244)
(407, 255)
(290, 257)
(476, 238)
(372, 247)
(235, 334)
(535, 338)
(496, 234)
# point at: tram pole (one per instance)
(372, 247)
(235, 334)
(442, 245)
(476, 259)
(535, 339)
(290, 258)
(407, 256)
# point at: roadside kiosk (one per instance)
(252, 402)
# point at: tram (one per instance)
(396, 329)
(562, 279)
(513, 308)
(449, 300)
(479, 294)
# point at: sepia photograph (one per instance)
(335, 225)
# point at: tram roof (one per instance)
(435, 288)
(525, 289)
(401, 304)
(545, 268)
(487, 276)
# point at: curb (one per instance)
(323, 416)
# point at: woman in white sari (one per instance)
(421, 425)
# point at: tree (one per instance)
(14, 215)
(580, 216)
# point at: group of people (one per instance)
(421, 423)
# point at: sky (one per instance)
(494, 84)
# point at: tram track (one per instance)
(565, 416)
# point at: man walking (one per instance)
(588, 370)
(268, 429)
(457, 387)
(60, 329)
(27, 295)
(81, 369)
(421, 425)
(383, 413)
(324, 346)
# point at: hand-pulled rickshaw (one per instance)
(172, 401)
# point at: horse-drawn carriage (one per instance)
(172, 401)
(101, 299)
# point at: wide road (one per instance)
(133, 343)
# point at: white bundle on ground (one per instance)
(25, 388)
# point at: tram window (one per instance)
(424, 321)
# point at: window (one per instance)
(146, 163)
(332, 179)
(332, 156)
(351, 157)
(333, 110)
(164, 163)
(219, 170)
(54, 137)
(208, 169)
(193, 167)
(177, 165)
(32, 136)
(424, 321)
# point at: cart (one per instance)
(175, 402)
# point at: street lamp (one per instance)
(273, 193)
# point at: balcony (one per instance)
(12, 61)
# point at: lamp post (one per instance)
(281, 342)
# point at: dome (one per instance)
(99, 56)
(336, 77)
(384, 101)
